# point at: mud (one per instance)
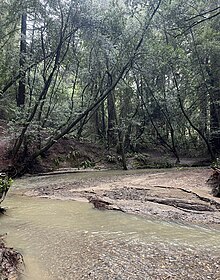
(177, 194)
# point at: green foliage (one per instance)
(216, 163)
(58, 160)
(87, 164)
(145, 161)
(73, 155)
(76, 51)
(5, 184)
(111, 159)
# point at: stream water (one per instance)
(70, 240)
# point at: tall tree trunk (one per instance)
(95, 125)
(112, 121)
(23, 49)
(209, 147)
(203, 105)
(121, 144)
(215, 102)
(103, 121)
(125, 109)
(213, 70)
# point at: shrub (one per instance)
(5, 184)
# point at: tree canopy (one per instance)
(130, 74)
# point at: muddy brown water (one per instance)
(54, 235)
(71, 240)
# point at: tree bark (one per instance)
(23, 49)
(72, 123)
(215, 102)
(112, 121)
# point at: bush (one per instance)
(5, 184)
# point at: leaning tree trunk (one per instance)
(125, 68)
(191, 123)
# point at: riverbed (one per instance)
(176, 194)
(71, 240)
(61, 238)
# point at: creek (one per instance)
(71, 240)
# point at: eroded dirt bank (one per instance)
(168, 194)
(11, 262)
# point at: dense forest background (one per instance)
(130, 74)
